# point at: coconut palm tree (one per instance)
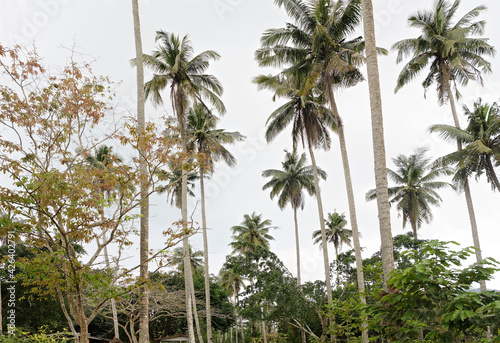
(320, 40)
(174, 186)
(336, 233)
(251, 233)
(416, 188)
(196, 259)
(384, 215)
(482, 144)
(144, 221)
(234, 283)
(454, 57)
(288, 185)
(310, 121)
(175, 64)
(208, 142)
(177, 260)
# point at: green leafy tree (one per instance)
(482, 144)
(54, 193)
(432, 299)
(416, 189)
(288, 185)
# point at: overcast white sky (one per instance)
(102, 30)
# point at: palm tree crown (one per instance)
(336, 231)
(209, 141)
(416, 188)
(232, 281)
(196, 257)
(251, 233)
(310, 119)
(174, 186)
(174, 63)
(482, 139)
(318, 39)
(104, 164)
(454, 56)
(288, 184)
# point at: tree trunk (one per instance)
(352, 212)
(113, 301)
(297, 245)
(264, 334)
(384, 215)
(414, 229)
(324, 245)
(241, 324)
(144, 221)
(205, 255)
(196, 317)
(1, 309)
(81, 318)
(84, 331)
(468, 196)
(188, 275)
(242, 330)
(326, 260)
(337, 275)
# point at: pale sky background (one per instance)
(103, 31)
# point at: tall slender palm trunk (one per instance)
(1, 309)
(326, 260)
(188, 274)
(144, 222)
(467, 192)
(242, 329)
(205, 256)
(236, 326)
(352, 213)
(241, 323)
(384, 215)
(196, 317)
(297, 244)
(263, 323)
(413, 224)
